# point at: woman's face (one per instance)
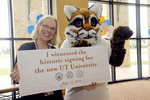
(47, 29)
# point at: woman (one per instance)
(44, 36)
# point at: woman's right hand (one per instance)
(15, 74)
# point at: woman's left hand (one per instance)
(93, 84)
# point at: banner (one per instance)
(53, 69)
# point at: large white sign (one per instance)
(54, 69)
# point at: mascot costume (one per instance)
(84, 30)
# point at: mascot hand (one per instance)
(117, 42)
(81, 43)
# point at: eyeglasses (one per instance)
(47, 27)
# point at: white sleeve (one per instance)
(65, 44)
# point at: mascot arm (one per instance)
(117, 42)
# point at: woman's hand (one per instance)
(93, 84)
(15, 74)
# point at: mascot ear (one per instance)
(97, 8)
(69, 9)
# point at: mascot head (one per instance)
(83, 24)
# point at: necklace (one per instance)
(38, 46)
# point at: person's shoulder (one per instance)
(27, 46)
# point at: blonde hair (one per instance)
(35, 32)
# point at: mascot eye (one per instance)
(78, 23)
(94, 21)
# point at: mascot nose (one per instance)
(87, 29)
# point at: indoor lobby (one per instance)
(18, 16)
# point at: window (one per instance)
(15, 19)
(5, 65)
(129, 13)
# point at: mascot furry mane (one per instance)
(84, 29)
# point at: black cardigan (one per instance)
(57, 95)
